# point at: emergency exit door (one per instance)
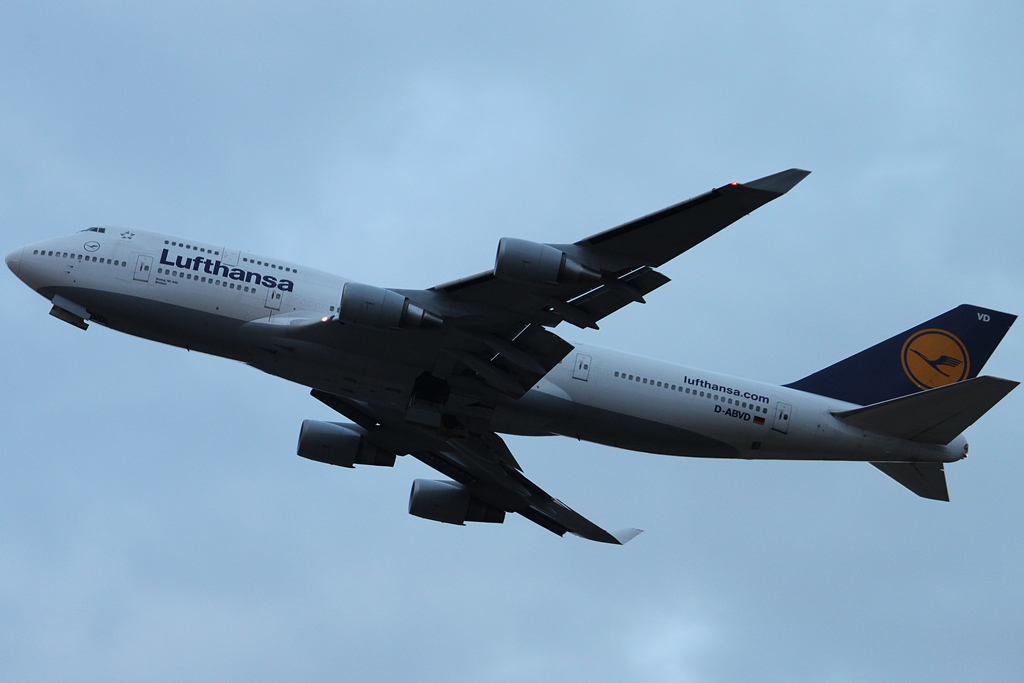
(783, 411)
(143, 267)
(582, 369)
(274, 299)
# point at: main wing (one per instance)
(624, 257)
(480, 463)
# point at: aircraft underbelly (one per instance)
(640, 434)
(159, 321)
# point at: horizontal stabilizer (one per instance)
(926, 479)
(936, 416)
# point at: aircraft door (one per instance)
(229, 257)
(274, 299)
(582, 369)
(783, 411)
(143, 267)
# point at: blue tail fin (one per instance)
(947, 349)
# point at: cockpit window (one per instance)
(94, 230)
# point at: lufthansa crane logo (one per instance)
(935, 358)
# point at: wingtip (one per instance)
(779, 183)
(624, 536)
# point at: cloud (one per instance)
(154, 520)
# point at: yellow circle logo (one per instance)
(935, 358)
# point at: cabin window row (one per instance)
(202, 250)
(696, 392)
(204, 279)
(80, 257)
(217, 253)
(269, 265)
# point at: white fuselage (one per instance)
(222, 301)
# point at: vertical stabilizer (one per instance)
(947, 349)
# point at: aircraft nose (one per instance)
(13, 260)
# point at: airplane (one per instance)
(441, 373)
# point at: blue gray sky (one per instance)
(155, 524)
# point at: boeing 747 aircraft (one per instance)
(439, 373)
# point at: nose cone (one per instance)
(13, 260)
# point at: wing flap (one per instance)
(936, 416)
(605, 300)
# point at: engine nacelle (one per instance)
(541, 263)
(451, 503)
(337, 443)
(378, 307)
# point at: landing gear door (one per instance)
(143, 267)
(274, 299)
(783, 411)
(582, 369)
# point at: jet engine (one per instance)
(451, 503)
(371, 306)
(341, 444)
(541, 263)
